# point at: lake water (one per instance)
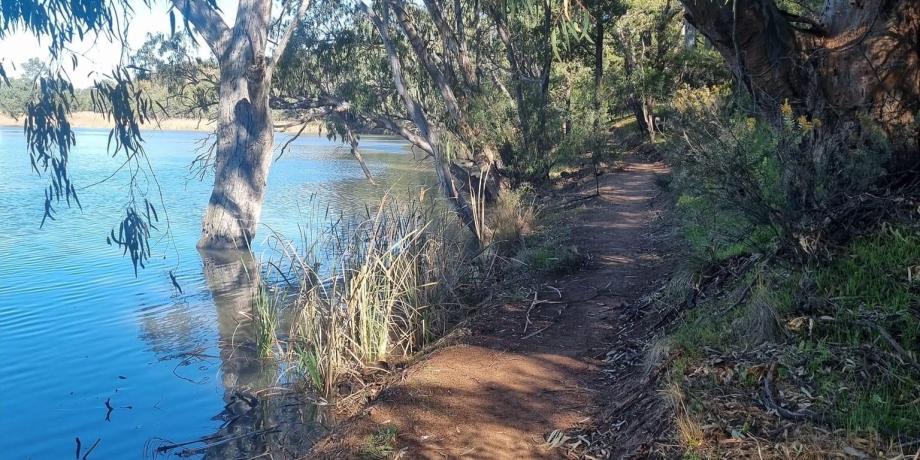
(79, 333)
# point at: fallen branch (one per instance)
(904, 354)
(771, 404)
(208, 444)
(547, 326)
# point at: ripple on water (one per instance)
(78, 328)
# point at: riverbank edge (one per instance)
(350, 438)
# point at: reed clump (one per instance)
(372, 289)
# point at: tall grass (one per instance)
(371, 289)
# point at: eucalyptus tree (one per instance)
(169, 71)
(247, 53)
(413, 70)
(648, 38)
(847, 68)
(245, 133)
(525, 29)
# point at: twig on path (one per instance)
(558, 291)
(529, 309)
(578, 200)
(536, 302)
(548, 325)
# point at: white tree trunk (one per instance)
(244, 133)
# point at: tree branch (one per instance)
(207, 21)
(292, 27)
(453, 43)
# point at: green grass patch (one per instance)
(714, 234)
(381, 444)
(553, 259)
(869, 286)
(859, 380)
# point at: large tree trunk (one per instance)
(243, 157)
(860, 58)
(853, 73)
(244, 133)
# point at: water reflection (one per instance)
(262, 414)
(156, 353)
(233, 279)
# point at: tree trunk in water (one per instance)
(244, 145)
(244, 124)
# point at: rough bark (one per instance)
(244, 132)
(859, 58)
(244, 124)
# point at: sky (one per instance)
(98, 56)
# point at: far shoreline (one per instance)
(92, 120)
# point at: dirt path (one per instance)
(499, 391)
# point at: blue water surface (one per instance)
(78, 329)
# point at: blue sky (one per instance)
(98, 56)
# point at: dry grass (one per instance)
(511, 219)
(366, 292)
(689, 432)
(390, 284)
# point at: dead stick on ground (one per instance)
(529, 309)
(547, 326)
(906, 355)
(771, 404)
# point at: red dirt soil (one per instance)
(498, 391)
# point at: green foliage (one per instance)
(768, 174)
(870, 288)
(715, 234)
(169, 73)
(265, 313)
(845, 320)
